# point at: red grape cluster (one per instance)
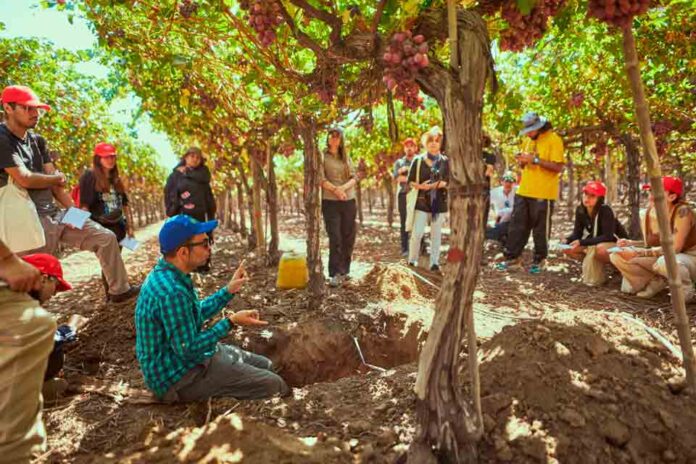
(367, 122)
(599, 150)
(576, 100)
(188, 8)
(661, 130)
(405, 56)
(618, 13)
(326, 83)
(264, 17)
(524, 30)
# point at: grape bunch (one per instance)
(576, 100)
(325, 83)
(618, 13)
(188, 8)
(599, 150)
(264, 17)
(524, 30)
(405, 56)
(661, 130)
(367, 122)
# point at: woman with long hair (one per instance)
(188, 191)
(429, 174)
(103, 192)
(595, 231)
(338, 205)
(642, 263)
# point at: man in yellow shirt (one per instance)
(541, 161)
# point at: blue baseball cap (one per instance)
(177, 229)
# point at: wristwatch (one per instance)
(536, 160)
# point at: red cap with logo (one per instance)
(595, 188)
(50, 266)
(104, 149)
(671, 185)
(410, 140)
(22, 95)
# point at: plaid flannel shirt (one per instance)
(169, 317)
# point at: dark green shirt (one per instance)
(169, 336)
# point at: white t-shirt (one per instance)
(502, 204)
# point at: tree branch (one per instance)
(300, 36)
(378, 15)
(317, 13)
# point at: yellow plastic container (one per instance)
(292, 271)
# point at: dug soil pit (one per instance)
(381, 335)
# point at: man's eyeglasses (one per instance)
(206, 243)
(29, 109)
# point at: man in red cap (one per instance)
(401, 167)
(24, 157)
(26, 340)
(642, 264)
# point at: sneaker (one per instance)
(509, 265)
(335, 281)
(127, 296)
(626, 287)
(654, 287)
(536, 268)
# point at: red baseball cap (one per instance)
(409, 140)
(22, 95)
(671, 185)
(103, 149)
(50, 266)
(595, 188)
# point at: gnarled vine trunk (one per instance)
(633, 179)
(312, 204)
(272, 202)
(448, 426)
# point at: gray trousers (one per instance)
(230, 372)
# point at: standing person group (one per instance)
(338, 205)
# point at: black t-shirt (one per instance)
(100, 204)
(607, 226)
(439, 172)
(31, 153)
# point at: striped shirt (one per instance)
(169, 336)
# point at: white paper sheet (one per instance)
(130, 243)
(75, 217)
(563, 246)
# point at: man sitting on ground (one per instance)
(24, 158)
(180, 360)
(502, 200)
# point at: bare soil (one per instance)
(566, 375)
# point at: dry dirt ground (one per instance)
(568, 373)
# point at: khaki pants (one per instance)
(93, 237)
(26, 340)
(641, 270)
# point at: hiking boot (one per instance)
(536, 268)
(654, 287)
(509, 265)
(335, 281)
(127, 296)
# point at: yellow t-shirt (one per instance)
(538, 182)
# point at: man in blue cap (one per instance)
(180, 359)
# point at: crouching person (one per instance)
(180, 359)
(596, 229)
(643, 269)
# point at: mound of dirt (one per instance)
(583, 387)
(397, 284)
(230, 439)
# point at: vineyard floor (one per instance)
(568, 373)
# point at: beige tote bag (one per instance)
(20, 226)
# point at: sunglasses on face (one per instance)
(30, 109)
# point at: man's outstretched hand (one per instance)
(239, 278)
(246, 317)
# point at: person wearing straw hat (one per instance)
(595, 231)
(542, 161)
(503, 201)
(24, 157)
(642, 263)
